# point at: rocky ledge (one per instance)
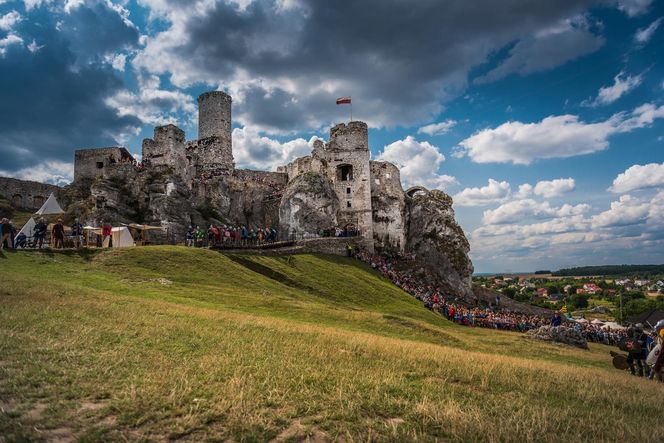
(559, 334)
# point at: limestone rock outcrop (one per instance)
(309, 205)
(559, 334)
(434, 235)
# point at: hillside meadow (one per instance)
(171, 343)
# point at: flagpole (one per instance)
(351, 109)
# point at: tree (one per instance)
(509, 292)
(578, 301)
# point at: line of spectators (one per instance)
(459, 311)
(227, 236)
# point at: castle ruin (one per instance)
(179, 183)
(366, 194)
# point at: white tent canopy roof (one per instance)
(50, 206)
(28, 228)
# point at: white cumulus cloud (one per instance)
(625, 212)
(519, 210)
(639, 177)
(419, 163)
(53, 172)
(493, 192)
(622, 84)
(437, 128)
(554, 188)
(256, 151)
(8, 20)
(554, 137)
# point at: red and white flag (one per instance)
(343, 101)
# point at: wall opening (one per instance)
(17, 200)
(100, 165)
(348, 205)
(345, 172)
(37, 201)
(347, 190)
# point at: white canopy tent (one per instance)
(50, 206)
(28, 228)
(121, 236)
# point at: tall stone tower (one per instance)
(214, 114)
(214, 147)
(347, 158)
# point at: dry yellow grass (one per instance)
(98, 356)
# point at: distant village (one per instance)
(598, 295)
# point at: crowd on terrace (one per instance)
(230, 236)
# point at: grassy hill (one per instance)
(173, 343)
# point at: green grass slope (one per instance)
(173, 343)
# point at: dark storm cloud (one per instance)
(398, 59)
(53, 99)
(94, 30)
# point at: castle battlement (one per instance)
(347, 137)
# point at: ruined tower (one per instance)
(214, 147)
(347, 155)
(166, 148)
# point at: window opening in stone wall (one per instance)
(348, 205)
(347, 190)
(100, 165)
(345, 172)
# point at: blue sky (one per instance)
(543, 120)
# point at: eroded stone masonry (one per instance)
(196, 182)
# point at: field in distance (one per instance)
(156, 343)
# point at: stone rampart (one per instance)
(92, 163)
(25, 194)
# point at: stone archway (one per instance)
(412, 192)
(17, 200)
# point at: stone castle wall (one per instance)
(167, 148)
(26, 194)
(92, 163)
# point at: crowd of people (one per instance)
(229, 236)
(460, 311)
